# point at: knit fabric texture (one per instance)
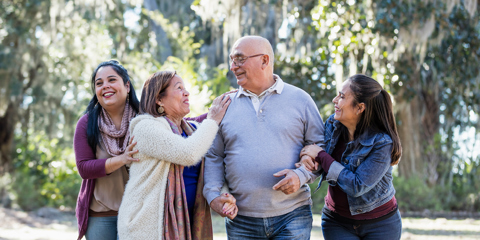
(141, 213)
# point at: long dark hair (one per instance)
(378, 115)
(94, 108)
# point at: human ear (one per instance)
(127, 85)
(265, 61)
(361, 108)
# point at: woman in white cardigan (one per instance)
(156, 203)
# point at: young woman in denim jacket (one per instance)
(362, 145)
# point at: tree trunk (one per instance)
(164, 47)
(409, 126)
(7, 121)
(418, 125)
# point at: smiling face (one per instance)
(345, 111)
(250, 68)
(110, 90)
(175, 102)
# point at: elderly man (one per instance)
(259, 142)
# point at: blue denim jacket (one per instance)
(364, 173)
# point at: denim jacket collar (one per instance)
(366, 139)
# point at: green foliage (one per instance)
(45, 174)
(414, 195)
(318, 197)
(310, 74)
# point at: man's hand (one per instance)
(309, 164)
(225, 205)
(289, 184)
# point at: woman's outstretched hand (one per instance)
(219, 107)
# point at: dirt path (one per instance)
(49, 223)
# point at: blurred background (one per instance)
(424, 52)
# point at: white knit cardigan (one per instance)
(141, 212)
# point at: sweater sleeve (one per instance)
(314, 129)
(89, 167)
(198, 119)
(325, 160)
(214, 172)
(159, 142)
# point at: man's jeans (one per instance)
(293, 225)
(390, 228)
(102, 228)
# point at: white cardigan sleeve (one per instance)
(157, 141)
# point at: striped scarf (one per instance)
(177, 225)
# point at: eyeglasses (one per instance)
(239, 61)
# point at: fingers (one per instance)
(216, 204)
(218, 99)
(283, 181)
(225, 101)
(308, 162)
(233, 214)
(228, 208)
(281, 184)
(130, 156)
(285, 185)
(281, 173)
(131, 140)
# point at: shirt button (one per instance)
(255, 100)
(261, 111)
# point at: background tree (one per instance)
(425, 53)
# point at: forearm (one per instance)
(325, 160)
(89, 167)
(198, 119)
(113, 163)
(160, 143)
(214, 169)
(305, 176)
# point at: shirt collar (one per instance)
(276, 87)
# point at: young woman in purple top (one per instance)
(102, 149)
(361, 146)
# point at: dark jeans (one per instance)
(293, 225)
(390, 228)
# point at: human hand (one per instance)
(311, 150)
(225, 205)
(289, 184)
(310, 164)
(218, 108)
(230, 210)
(127, 156)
